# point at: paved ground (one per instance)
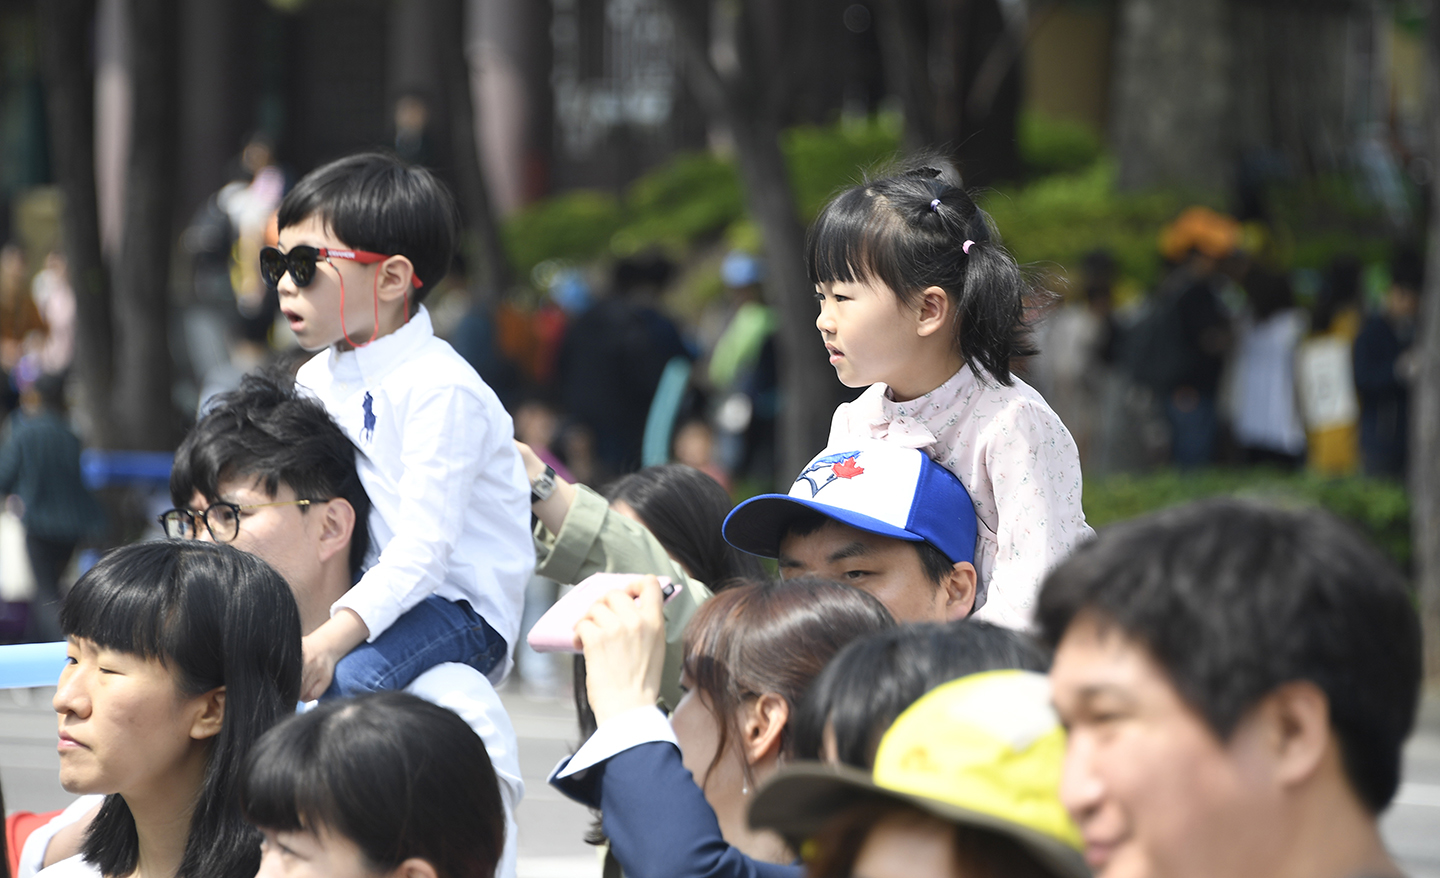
(551, 826)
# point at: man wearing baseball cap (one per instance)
(883, 518)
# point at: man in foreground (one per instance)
(1238, 681)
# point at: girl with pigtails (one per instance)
(919, 300)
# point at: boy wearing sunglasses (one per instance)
(362, 240)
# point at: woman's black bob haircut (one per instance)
(396, 775)
(907, 232)
(684, 508)
(374, 201)
(215, 616)
(875, 678)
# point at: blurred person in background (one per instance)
(55, 300)
(40, 465)
(1326, 374)
(1183, 352)
(1267, 420)
(1385, 366)
(1237, 681)
(1077, 345)
(250, 203)
(22, 329)
(742, 372)
(612, 358)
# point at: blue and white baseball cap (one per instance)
(872, 486)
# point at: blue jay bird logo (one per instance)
(839, 466)
(368, 432)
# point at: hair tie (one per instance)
(966, 247)
(935, 205)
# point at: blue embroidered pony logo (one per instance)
(839, 466)
(368, 432)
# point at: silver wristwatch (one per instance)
(542, 486)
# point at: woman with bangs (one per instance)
(673, 795)
(181, 654)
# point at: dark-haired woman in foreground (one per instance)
(382, 785)
(673, 795)
(181, 654)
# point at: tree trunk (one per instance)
(1172, 94)
(955, 64)
(494, 273)
(902, 30)
(1425, 399)
(141, 401)
(746, 98)
(70, 91)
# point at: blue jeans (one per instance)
(1193, 424)
(432, 632)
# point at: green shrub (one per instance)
(1054, 221)
(574, 225)
(824, 160)
(1051, 146)
(1380, 508)
(694, 198)
(690, 197)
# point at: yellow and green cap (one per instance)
(985, 750)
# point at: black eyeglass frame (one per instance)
(189, 515)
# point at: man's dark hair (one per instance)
(1234, 599)
(934, 562)
(374, 201)
(268, 430)
(875, 678)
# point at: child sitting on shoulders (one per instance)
(450, 502)
(919, 301)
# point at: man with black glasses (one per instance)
(267, 470)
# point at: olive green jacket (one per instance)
(595, 539)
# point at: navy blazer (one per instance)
(657, 819)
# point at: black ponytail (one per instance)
(910, 231)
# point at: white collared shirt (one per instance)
(465, 691)
(450, 502)
(1015, 457)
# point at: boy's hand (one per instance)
(623, 635)
(325, 646)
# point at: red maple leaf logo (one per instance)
(847, 469)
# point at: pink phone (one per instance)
(555, 632)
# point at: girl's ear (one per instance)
(935, 311)
(763, 724)
(211, 716)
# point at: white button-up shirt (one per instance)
(1017, 460)
(450, 502)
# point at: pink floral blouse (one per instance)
(1017, 460)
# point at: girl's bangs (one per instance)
(852, 240)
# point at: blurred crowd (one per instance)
(1233, 359)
